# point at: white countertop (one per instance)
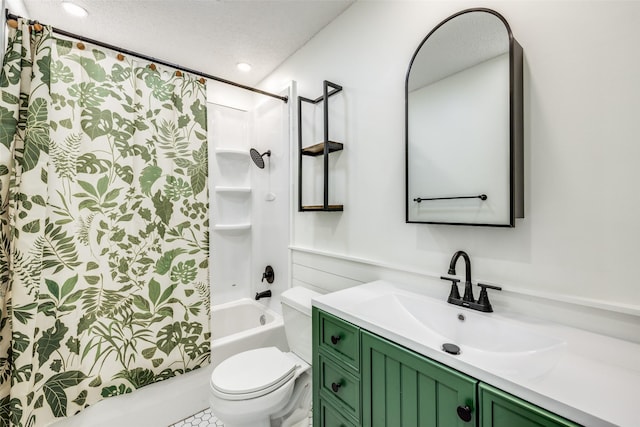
(594, 382)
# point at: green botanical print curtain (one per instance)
(104, 215)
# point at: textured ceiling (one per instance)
(211, 36)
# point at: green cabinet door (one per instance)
(402, 388)
(500, 409)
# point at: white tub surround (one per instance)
(588, 378)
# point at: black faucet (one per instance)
(482, 304)
(264, 294)
(468, 290)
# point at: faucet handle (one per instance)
(454, 294)
(483, 299)
(483, 286)
(268, 274)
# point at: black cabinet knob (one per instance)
(464, 412)
(336, 386)
(335, 339)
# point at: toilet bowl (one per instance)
(267, 387)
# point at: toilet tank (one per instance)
(296, 312)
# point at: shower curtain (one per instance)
(104, 215)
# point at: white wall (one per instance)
(579, 238)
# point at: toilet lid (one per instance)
(252, 373)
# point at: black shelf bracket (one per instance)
(323, 148)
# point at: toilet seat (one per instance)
(252, 374)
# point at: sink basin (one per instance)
(485, 339)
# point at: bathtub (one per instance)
(236, 326)
(243, 325)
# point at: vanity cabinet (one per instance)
(401, 388)
(361, 379)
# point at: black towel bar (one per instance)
(423, 199)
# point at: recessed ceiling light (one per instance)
(244, 66)
(74, 9)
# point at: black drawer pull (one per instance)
(464, 412)
(335, 339)
(336, 386)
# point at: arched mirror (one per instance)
(464, 132)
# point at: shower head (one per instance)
(258, 158)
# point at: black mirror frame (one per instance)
(516, 125)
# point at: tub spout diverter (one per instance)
(265, 294)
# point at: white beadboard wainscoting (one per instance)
(327, 272)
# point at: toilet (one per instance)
(267, 387)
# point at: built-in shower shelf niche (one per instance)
(318, 149)
(232, 152)
(233, 167)
(232, 205)
(232, 227)
(246, 190)
(324, 148)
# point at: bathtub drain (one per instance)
(263, 319)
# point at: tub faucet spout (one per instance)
(265, 294)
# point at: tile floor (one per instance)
(201, 419)
(207, 419)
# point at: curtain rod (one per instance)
(155, 60)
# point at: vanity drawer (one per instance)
(331, 417)
(339, 386)
(340, 339)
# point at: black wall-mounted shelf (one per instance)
(323, 148)
(322, 208)
(318, 149)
